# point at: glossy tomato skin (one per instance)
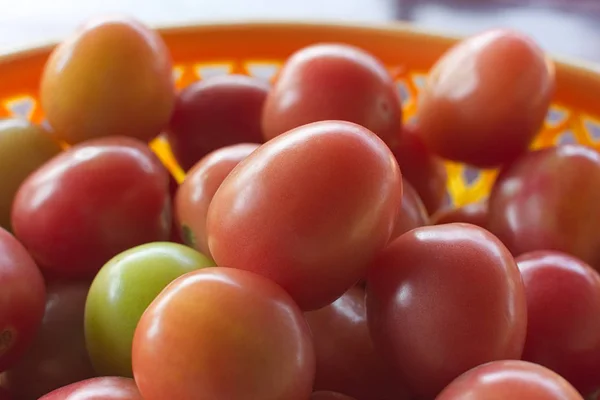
(214, 113)
(102, 388)
(90, 203)
(486, 99)
(412, 212)
(329, 396)
(346, 359)
(548, 200)
(135, 94)
(474, 213)
(317, 203)
(459, 290)
(509, 379)
(22, 301)
(198, 189)
(563, 308)
(217, 324)
(333, 82)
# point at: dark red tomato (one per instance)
(5, 395)
(443, 299)
(22, 300)
(474, 213)
(90, 203)
(199, 187)
(486, 99)
(510, 379)
(333, 82)
(215, 113)
(329, 396)
(316, 204)
(223, 333)
(103, 388)
(58, 355)
(548, 200)
(563, 308)
(412, 211)
(346, 359)
(419, 166)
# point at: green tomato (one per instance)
(121, 292)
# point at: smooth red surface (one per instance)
(329, 396)
(474, 213)
(308, 209)
(412, 211)
(102, 388)
(223, 333)
(443, 299)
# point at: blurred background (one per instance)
(569, 28)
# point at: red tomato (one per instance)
(329, 396)
(90, 203)
(103, 388)
(199, 187)
(563, 308)
(22, 300)
(443, 299)
(511, 379)
(5, 395)
(333, 82)
(223, 333)
(215, 113)
(346, 359)
(548, 200)
(412, 211)
(474, 213)
(316, 204)
(486, 99)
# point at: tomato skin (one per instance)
(474, 213)
(216, 326)
(563, 308)
(333, 82)
(329, 396)
(509, 379)
(412, 212)
(101, 388)
(533, 207)
(198, 189)
(90, 203)
(478, 313)
(318, 202)
(214, 113)
(135, 94)
(486, 99)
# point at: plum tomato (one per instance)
(24, 147)
(112, 77)
(90, 203)
(121, 292)
(412, 212)
(58, 355)
(102, 388)
(333, 81)
(22, 301)
(474, 213)
(548, 200)
(223, 333)
(199, 187)
(486, 99)
(214, 113)
(329, 396)
(421, 168)
(510, 379)
(308, 209)
(459, 291)
(346, 358)
(563, 311)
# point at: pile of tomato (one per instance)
(309, 253)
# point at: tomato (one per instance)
(412, 211)
(132, 96)
(58, 355)
(225, 334)
(548, 200)
(460, 293)
(103, 388)
(214, 113)
(24, 147)
(346, 359)
(510, 379)
(333, 82)
(120, 294)
(563, 308)
(474, 213)
(316, 204)
(90, 203)
(486, 99)
(5, 395)
(199, 187)
(329, 396)
(22, 300)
